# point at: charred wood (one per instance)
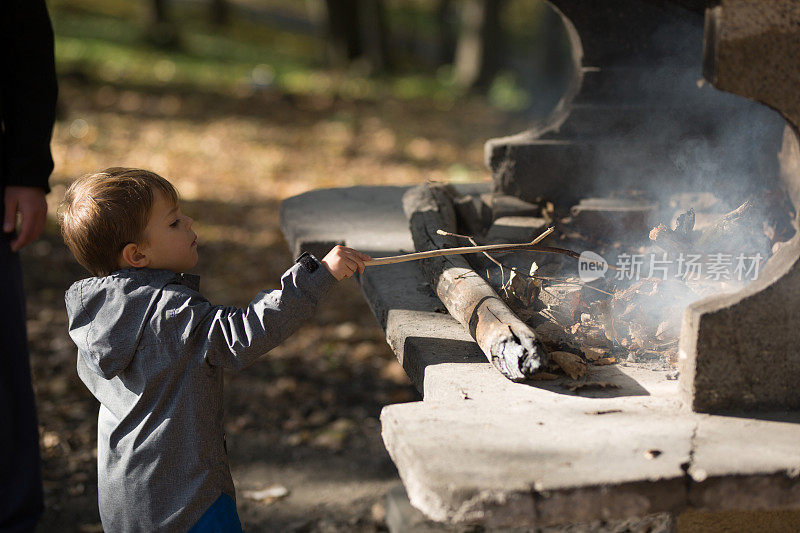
(508, 343)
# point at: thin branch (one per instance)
(527, 246)
(519, 272)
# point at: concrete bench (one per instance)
(481, 449)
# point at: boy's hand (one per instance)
(342, 262)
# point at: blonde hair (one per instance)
(104, 211)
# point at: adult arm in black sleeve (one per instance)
(28, 92)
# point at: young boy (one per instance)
(151, 349)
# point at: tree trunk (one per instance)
(344, 37)
(162, 30)
(219, 13)
(374, 34)
(357, 31)
(480, 43)
(445, 15)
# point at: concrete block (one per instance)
(513, 465)
(739, 351)
(515, 229)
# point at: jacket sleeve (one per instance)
(29, 92)
(232, 337)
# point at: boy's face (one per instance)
(170, 243)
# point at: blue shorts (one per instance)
(221, 517)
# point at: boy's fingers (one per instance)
(358, 259)
(359, 255)
(355, 252)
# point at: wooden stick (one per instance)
(533, 246)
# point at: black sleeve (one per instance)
(28, 93)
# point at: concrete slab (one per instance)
(480, 448)
(538, 464)
(370, 219)
(417, 326)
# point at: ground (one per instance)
(305, 418)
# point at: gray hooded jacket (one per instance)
(151, 349)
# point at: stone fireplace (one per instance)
(641, 113)
(482, 449)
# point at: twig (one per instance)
(514, 269)
(527, 246)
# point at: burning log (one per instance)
(671, 241)
(739, 231)
(751, 228)
(509, 344)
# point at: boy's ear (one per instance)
(133, 256)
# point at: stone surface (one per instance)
(636, 115)
(740, 351)
(402, 517)
(616, 219)
(751, 49)
(306, 221)
(503, 205)
(482, 449)
(515, 229)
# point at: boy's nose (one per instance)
(190, 221)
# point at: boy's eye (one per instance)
(174, 224)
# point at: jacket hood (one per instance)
(107, 315)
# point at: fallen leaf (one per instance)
(593, 353)
(378, 512)
(334, 435)
(543, 376)
(268, 495)
(604, 412)
(50, 439)
(570, 363)
(580, 385)
(605, 361)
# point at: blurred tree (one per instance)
(357, 31)
(480, 47)
(374, 33)
(162, 30)
(445, 17)
(219, 12)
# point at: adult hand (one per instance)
(30, 203)
(343, 262)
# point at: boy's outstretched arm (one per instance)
(233, 337)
